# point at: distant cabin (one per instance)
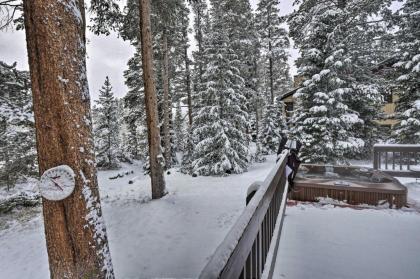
(387, 118)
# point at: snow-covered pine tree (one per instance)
(17, 133)
(335, 61)
(180, 81)
(201, 29)
(106, 129)
(105, 16)
(170, 26)
(187, 155)
(163, 14)
(245, 42)
(365, 37)
(273, 71)
(269, 136)
(179, 129)
(408, 70)
(130, 23)
(270, 133)
(135, 116)
(134, 101)
(124, 156)
(257, 103)
(274, 44)
(220, 123)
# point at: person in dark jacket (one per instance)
(293, 161)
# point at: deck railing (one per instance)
(401, 160)
(249, 249)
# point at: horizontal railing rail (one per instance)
(401, 160)
(243, 253)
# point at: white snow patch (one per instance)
(97, 223)
(63, 80)
(417, 104)
(72, 7)
(168, 238)
(321, 242)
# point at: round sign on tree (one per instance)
(57, 183)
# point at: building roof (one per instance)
(290, 93)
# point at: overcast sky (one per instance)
(106, 55)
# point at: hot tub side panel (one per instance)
(311, 193)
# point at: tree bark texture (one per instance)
(155, 153)
(75, 233)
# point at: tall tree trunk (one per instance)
(7, 162)
(76, 238)
(4, 142)
(199, 38)
(270, 58)
(166, 102)
(271, 78)
(156, 168)
(188, 79)
(200, 48)
(109, 144)
(257, 117)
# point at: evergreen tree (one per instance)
(168, 24)
(187, 156)
(257, 102)
(106, 129)
(336, 61)
(17, 133)
(220, 123)
(135, 116)
(125, 155)
(179, 129)
(274, 42)
(273, 128)
(201, 30)
(408, 70)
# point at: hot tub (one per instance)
(351, 184)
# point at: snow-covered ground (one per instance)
(326, 241)
(175, 236)
(172, 237)
(322, 242)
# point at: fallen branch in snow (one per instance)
(23, 199)
(121, 175)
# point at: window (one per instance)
(388, 97)
(289, 106)
(289, 109)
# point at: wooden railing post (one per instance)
(403, 165)
(375, 157)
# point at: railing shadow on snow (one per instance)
(250, 248)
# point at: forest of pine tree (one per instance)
(17, 139)
(204, 96)
(107, 128)
(240, 111)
